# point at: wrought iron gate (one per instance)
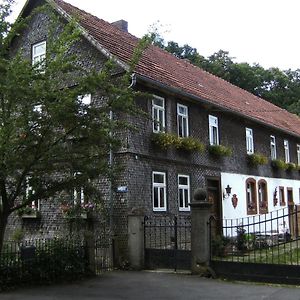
(167, 242)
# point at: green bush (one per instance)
(219, 150)
(167, 140)
(291, 166)
(278, 164)
(256, 159)
(219, 245)
(55, 260)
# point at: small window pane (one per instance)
(183, 180)
(158, 178)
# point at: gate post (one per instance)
(200, 244)
(136, 241)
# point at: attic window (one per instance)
(39, 54)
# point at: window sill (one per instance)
(32, 215)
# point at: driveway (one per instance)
(155, 286)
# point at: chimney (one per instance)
(121, 24)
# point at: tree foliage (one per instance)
(47, 133)
(281, 87)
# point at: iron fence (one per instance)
(167, 241)
(272, 238)
(53, 260)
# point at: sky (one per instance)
(253, 31)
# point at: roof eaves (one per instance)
(188, 95)
(90, 38)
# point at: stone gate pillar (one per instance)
(200, 243)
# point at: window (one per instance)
(213, 130)
(298, 154)
(159, 191)
(286, 151)
(273, 147)
(281, 196)
(78, 192)
(249, 141)
(184, 192)
(182, 120)
(35, 204)
(85, 101)
(158, 114)
(39, 54)
(262, 196)
(251, 196)
(290, 197)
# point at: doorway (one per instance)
(214, 197)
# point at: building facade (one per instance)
(198, 131)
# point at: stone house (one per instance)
(195, 106)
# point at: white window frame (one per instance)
(185, 188)
(286, 151)
(158, 115)
(159, 186)
(213, 128)
(35, 205)
(298, 154)
(85, 101)
(78, 193)
(249, 141)
(40, 57)
(182, 120)
(273, 147)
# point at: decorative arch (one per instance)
(262, 196)
(251, 196)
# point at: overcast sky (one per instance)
(253, 31)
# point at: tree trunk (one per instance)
(3, 223)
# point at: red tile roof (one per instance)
(164, 68)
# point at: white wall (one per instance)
(239, 215)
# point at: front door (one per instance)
(214, 197)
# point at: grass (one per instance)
(285, 253)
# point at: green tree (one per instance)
(47, 133)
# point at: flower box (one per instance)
(31, 215)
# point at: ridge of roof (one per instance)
(163, 67)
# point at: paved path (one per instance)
(155, 286)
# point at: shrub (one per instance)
(219, 245)
(219, 150)
(291, 166)
(166, 140)
(279, 164)
(256, 159)
(241, 239)
(163, 140)
(189, 144)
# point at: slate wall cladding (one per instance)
(140, 158)
(51, 222)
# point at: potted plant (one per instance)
(256, 159)
(28, 212)
(291, 167)
(189, 144)
(278, 164)
(219, 150)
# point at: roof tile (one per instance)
(163, 67)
